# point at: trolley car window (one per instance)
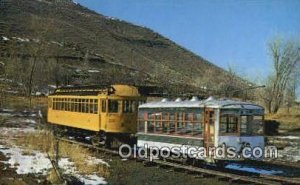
(251, 125)
(113, 106)
(229, 124)
(244, 124)
(127, 106)
(257, 125)
(171, 122)
(75, 105)
(95, 106)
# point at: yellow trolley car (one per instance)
(105, 113)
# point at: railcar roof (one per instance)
(210, 102)
(115, 89)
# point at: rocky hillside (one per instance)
(66, 43)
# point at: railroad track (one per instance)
(232, 177)
(282, 163)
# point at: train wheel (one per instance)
(95, 140)
(57, 131)
(108, 142)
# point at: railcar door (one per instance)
(209, 127)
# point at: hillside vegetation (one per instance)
(66, 43)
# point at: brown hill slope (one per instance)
(86, 47)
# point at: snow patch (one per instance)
(57, 43)
(22, 39)
(92, 180)
(37, 162)
(6, 80)
(93, 71)
(5, 38)
(288, 137)
(29, 121)
(13, 131)
(93, 160)
(7, 110)
(70, 169)
(52, 86)
(36, 40)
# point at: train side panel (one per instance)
(75, 119)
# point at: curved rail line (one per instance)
(258, 179)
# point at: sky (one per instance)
(225, 32)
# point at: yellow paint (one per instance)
(102, 121)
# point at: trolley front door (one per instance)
(209, 127)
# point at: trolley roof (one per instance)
(195, 103)
(119, 90)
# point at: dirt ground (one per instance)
(132, 172)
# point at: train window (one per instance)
(72, 105)
(232, 124)
(91, 110)
(113, 106)
(53, 104)
(127, 106)
(171, 122)
(86, 106)
(82, 106)
(244, 124)
(103, 105)
(76, 106)
(141, 126)
(151, 126)
(66, 105)
(257, 125)
(58, 105)
(197, 130)
(95, 108)
(79, 106)
(228, 124)
(133, 106)
(62, 105)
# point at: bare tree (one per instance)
(290, 94)
(285, 57)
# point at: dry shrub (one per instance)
(3, 119)
(293, 117)
(80, 155)
(41, 140)
(53, 178)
